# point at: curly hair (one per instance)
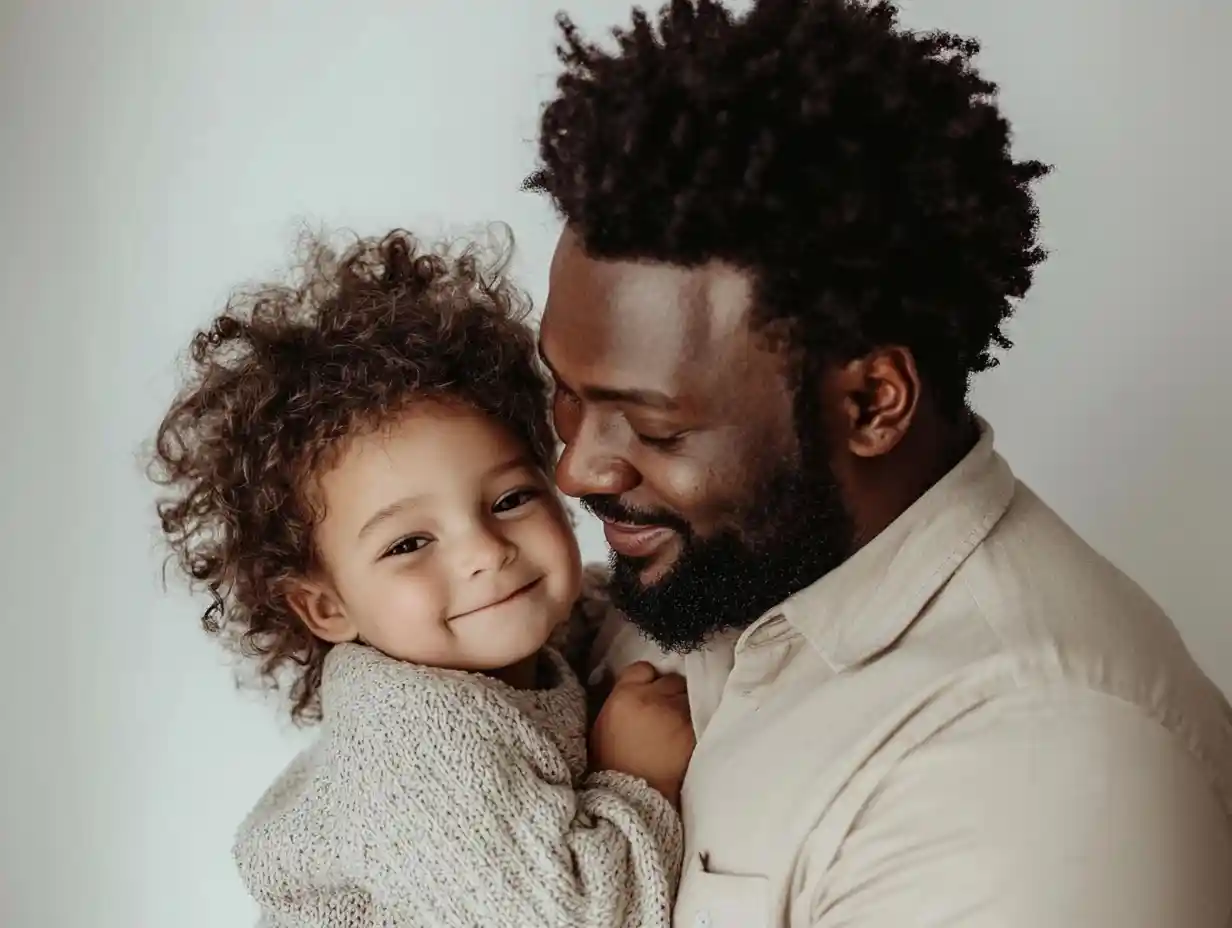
(860, 173)
(285, 375)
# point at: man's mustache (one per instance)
(611, 509)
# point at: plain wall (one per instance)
(154, 154)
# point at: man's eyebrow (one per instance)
(652, 399)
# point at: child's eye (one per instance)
(516, 499)
(408, 545)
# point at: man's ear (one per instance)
(881, 394)
(321, 611)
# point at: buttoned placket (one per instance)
(757, 658)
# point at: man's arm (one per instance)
(1061, 809)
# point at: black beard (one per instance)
(796, 532)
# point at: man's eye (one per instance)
(516, 499)
(408, 545)
(661, 443)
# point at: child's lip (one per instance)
(525, 588)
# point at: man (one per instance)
(791, 238)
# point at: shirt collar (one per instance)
(864, 606)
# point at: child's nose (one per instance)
(486, 550)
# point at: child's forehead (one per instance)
(439, 425)
(427, 450)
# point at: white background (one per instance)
(154, 154)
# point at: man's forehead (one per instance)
(660, 312)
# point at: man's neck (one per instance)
(932, 447)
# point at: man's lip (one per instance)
(497, 602)
(636, 540)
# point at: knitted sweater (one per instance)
(442, 798)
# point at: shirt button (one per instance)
(702, 919)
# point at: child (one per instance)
(357, 472)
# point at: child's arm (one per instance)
(446, 806)
(485, 827)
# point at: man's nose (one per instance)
(586, 467)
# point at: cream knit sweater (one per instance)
(441, 798)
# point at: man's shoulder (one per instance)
(1032, 555)
(1038, 588)
(1099, 727)
(1043, 611)
(1070, 738)
(1037, 619)
(996, 809)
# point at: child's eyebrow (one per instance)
(388, 512)
(521, 462)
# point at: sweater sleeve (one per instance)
(447, 807)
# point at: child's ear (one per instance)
(320, 610)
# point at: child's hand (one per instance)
(644, 729)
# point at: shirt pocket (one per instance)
(721, 900)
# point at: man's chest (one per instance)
(753, 791)
(784, 763)
(788, 752)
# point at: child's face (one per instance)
(443, 545)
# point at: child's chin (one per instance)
(519, 647)
(527, 648)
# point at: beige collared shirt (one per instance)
(976, 722)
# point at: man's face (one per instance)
(679, 433)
